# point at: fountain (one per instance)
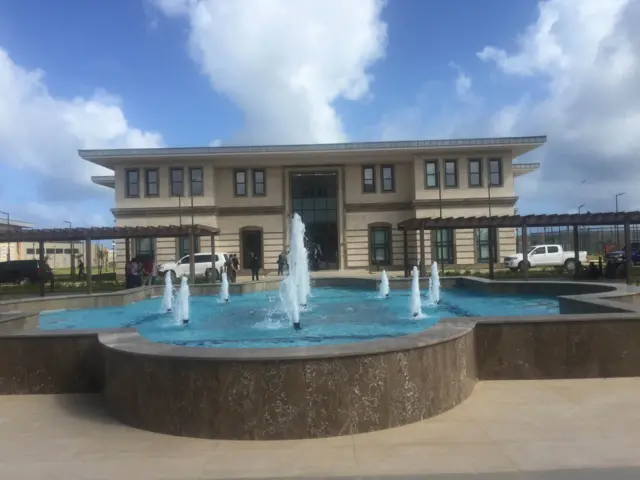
(434, 284)
(384, 285)
(167, 300)
(416, 303)
(183, 303)
(295, 288)
(224, 288)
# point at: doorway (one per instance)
(250, 242)
(314, 196)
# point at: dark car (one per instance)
(23, 271)
(619, 256)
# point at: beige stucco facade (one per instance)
(358, 211)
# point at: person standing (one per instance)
(235, 264)
(255, 267)
(81, 269)
(280, 262)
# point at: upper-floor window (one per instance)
(495, 172)
(475, 172)
(196, 182)
(133, 183)
(450, 173)
(388, 178)
(369, 179)
(151, 183)
(259, 183)
(240, 183)
(431, 174)
(176, 179)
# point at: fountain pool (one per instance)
(333, 316)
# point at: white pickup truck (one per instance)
(203, 265)
(546, 256)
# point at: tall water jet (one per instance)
(224, 288)
(296, 287)
(434, 284)
(184, 300)
(416, 302)
(384, 285)
(167, 300)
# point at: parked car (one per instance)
(23, 272)
(204, 265)
(546, 256)
(619, 256)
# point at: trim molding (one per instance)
(377, 207)
(435, 203)
(196, 210)
(259, 210)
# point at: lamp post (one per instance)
(580, 208)
(617, 230)
(72, 262)
(8, 228)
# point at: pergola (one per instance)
(523, 222)
(89, 234)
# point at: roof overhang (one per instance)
(524, 168)
(516, 145)
(104, 180)
(14, 225)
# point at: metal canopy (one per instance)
(104, 233)
(517, 221)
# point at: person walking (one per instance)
(81, 269)
(255, 267)
(281, 261)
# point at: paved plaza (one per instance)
(509, 427)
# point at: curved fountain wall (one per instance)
(320, 391)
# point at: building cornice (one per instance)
(431, 203)
(196, 210)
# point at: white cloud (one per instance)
(587, 53)
(43, 133)
(285, 63)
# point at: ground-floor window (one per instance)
(443, 246)
(482, 245)
(183, 245)
(380, 245)
(144, 247)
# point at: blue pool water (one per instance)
(335, 315)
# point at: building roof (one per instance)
(519, 145)
(103, 233)
(14, 224)
(516, 221)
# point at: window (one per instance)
(432, 174)
(195, 181)
(539, 251)
(133, 183)
(259, 183)
(553, 249)
(59, 250)
(388, 178)
(240, 181)
(475, 172)
(369, 179)
(144, 247)
(183, 246)
(151, 183)
(380, 245)
(31, 251)
(67, 250)
(495, 172)
(176, 179)
(203, 259)
(444, 246)
(483, 244)
(50, 251)
(451, 173)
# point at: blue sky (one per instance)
(127, 73)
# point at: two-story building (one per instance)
(350, 196)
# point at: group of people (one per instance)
(231, 266)
(315, 256)
(139, 272)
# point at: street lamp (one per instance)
(618, 195)
(580, 208)
(8, 228)
(72, 259)
(617, 226)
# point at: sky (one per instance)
(99, 74)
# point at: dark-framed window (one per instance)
(145, 247)
(388, 177)
(451, 173)
(369, 179)
(443, 245)
(133, 183)
(151, 182)
(475, 172)
(240, 183)
(380, 245)
(431, 174)
(495, 172)
(176, 181)
(196, 182)
(483, 244)
(183, 245)
(259, 183)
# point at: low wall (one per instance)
(288, 393)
